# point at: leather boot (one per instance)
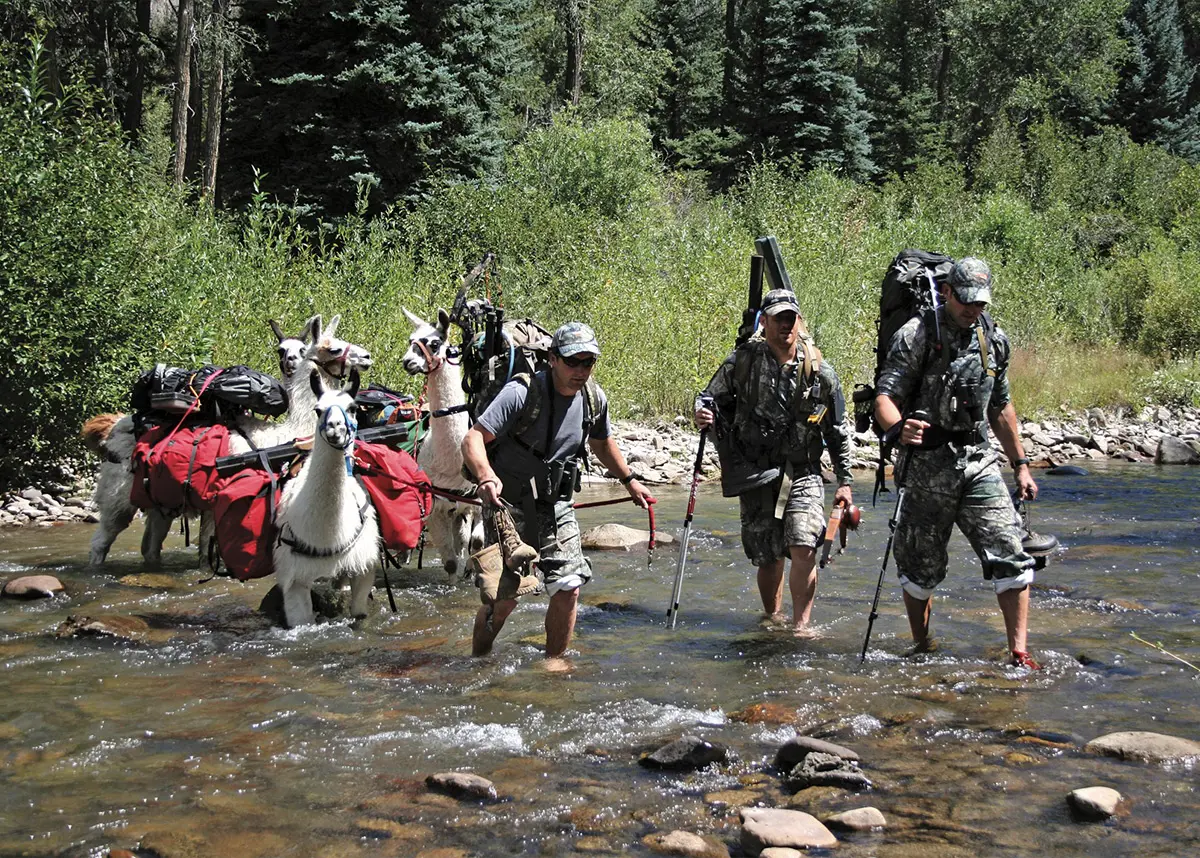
(496, 583)
(517, 554)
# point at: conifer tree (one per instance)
(688, 113)
(394, 94)
(1152, 101)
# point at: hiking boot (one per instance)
(496, 583)
(1024, 659)
(1037, 543)
(517, 554)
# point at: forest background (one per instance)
(173, 174)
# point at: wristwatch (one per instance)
(1024, 460)
(628, 478)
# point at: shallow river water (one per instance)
(221, 735)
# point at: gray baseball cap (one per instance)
(573, 338)
(779, 301)
(971, 280)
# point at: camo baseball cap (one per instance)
(971, 280)
(573, 338)
(779, 301)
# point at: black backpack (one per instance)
(221, 392)
(909, 287)
(496, 350)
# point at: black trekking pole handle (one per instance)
(677, 589)
(892, 522)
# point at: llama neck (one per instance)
(302, 419)
(445, 387)
(325, 506)
(446, 434)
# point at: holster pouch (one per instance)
(864, 407)
(738, 474)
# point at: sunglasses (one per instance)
(579, 362)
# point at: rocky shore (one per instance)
(664, 452)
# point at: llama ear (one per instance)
(443, 321)
(417, 321)
(355, 380)
(331, 328)
(314, 381)
(275, 329)
(314, 328)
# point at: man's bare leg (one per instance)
(803, 583)
(560, 621)
(918, 620)
(770, 587)
(484, 633)
(1014, 605)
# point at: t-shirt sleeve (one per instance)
(901, 371)
(1001, 352)
(601, 428)
(501, 415)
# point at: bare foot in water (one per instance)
(557, 665)
(926, 646)
(806, 633)
(774, 622)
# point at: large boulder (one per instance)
(769, 827)
(1174, 451)
(1145, 747)
(32, 587)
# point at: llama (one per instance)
(332, 356)
(456, 528)
(327, 525)
(291, 349)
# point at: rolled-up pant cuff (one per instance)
(914, 590)
(1017, 582)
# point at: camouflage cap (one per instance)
(971, 280)
(779, 301)
(573, 338)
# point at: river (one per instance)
(221, 735)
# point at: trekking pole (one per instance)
(673, 608)
(892, 522)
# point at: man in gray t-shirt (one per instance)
(533, 469)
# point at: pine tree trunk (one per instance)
(131, 119)
(183, 88)
(729, 57)
(195, 114)
(943, 75)
(573, 26)
(216, 104)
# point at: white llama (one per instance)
(291, 349)
(327, 525)
(455, 528)
(114, 439)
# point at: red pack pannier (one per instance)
(175, 467)
(399, 490)
(244, 510)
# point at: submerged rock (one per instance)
(112, 625)
(1094, 803)
(33, 587)
(768, 827)
(1144, 746)
(462, 785)
(686, 753)
(858, 819)
(618, 537)
(819, 769)
(795, 750)
(685, 843)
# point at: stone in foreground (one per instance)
(462, 785)
(1145, 747)
(1175, 451)
(618, 537)
(1094, 803)
(33, 587)
(686, 753)
(858, 819)
(795, 750)
(767, 827)
(685, 843)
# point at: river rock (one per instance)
(1094, 803)
(819, 769)
(796, 749)
(858, 819)
(685, 843)
(618, 537)
(462, 785)
(686, 753)
(32, 587)
(106, 625)
(1144, 746)
(780, 852)
(1173, 451)
(768, 827)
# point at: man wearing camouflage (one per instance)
(955, 370)
(778, 405)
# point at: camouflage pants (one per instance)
(944, 490)
(765, 538)
(556, 537)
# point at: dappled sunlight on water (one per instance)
(222, 734)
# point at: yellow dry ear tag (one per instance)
(818, 415)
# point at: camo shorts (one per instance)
(940, 494)
(563, 566)
(765, 538)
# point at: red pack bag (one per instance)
(177, 468)
(244, 509)
(399, 490)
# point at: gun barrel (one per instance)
(277, 455)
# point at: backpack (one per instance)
(379, 405)
(495, 351)
(175, 468)
(399, 490)
(212, 391)
(244, 510)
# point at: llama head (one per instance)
(291, 349)
(337, 422)
(427, 345)
(334, 356)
